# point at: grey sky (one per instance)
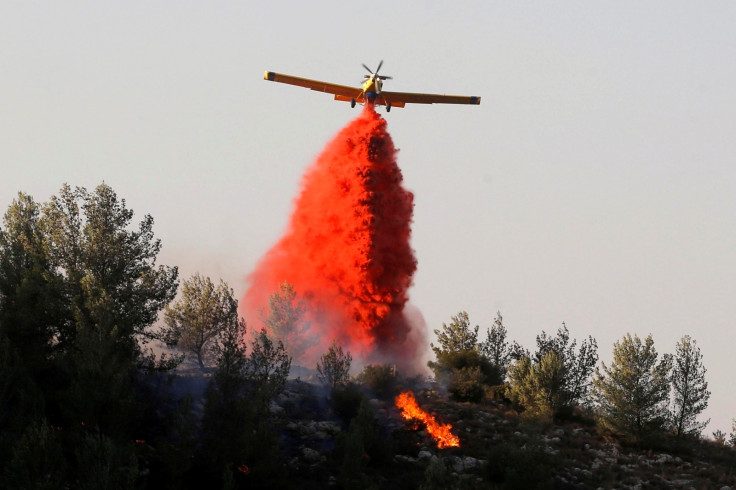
(595, 185)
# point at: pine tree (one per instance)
(111, 280)
(633, 393)
(536, 385)
(459, 359)
(31, 308)
(457, 336)
(267, 369)
(556, 379)
(230, 419)
(577, 366)
(229, 351)
(284, 319)
(334, 366)
(196, 319)
(719, 437)
(496, 349)
(689, 388)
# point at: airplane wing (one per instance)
(330, 88)
(399, 99)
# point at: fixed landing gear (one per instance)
(352, 102)
(388, 106)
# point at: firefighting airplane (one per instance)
(371, 91)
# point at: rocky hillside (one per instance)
(498, 449)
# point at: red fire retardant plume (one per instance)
(346, 249)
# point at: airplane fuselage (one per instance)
(372, 87)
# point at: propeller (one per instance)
(381, 77)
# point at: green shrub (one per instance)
(437, 476)
(361, 446)
(346, 401)
(527, 467)
(37, 460)
(535, 386)
(450, 362)
(381, 379)
(467, 384)
(104, 463)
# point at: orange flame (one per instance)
(441, 433)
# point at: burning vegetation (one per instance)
(441, 433)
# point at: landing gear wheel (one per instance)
(388, 106)
(352, 102)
